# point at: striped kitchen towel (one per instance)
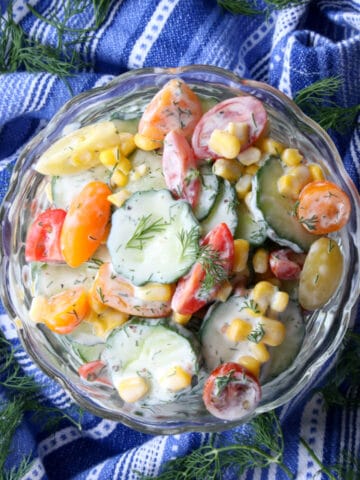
(289, 48)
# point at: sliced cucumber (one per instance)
(223, 210)
(153, 178)
(88, 353)
(283, 356)
(151, 349)
(208, 193)
(83, 343)
(153, 238)
(277, 211)
(248, 228)
(64, 188)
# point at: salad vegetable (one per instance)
(173, 252)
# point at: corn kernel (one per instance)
(229, 169)
(269, 145)
(292, 183)
(247, 200)
(142, 169)
(175, 379)
(223, 293)
(291, 157)
(180, 318)
(274, 331)
(243, 186)
(132, 389)
(240, 130)
(279, 301)
(316, 172)
(241, 254)
(251, 170)
(238, 330)
(145, 143)
(262, 294)
(124, 165)
(249, 156)
(110, 157)
(250, 363)
(119, 178)
(119, 198)
(127, 143)
(154, 292)
(107, 321)
(259, 351)
(224, 143)
(38, 309)
(261, 260)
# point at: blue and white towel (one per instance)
(290, 49)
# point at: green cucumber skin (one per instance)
(208, 194)
(278, 211)
(248, 228)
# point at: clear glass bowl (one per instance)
(126, 97)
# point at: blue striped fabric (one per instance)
(290, 49)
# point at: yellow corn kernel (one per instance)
(279, 301)
(251, 170)
(292, 183)
(261, 260)
(142, 169)
(110, 157)
(119, 178)
(38, 309)
(291, 157)
(316, 172)
(227, 168)
(132, 389)
(223, 293)
(119, 198)
(243, 186)
(240, 130)
(175, 379)
(154, 292)
(108, 320)
(250, 363)
(249, 156)
(180, 318)
(247, 200)
(127, 143)
(145, 143)
(269, 145)
(259, 351)
(124, 165)
(274, 331)
(238, 330)
(241, 254)
(224, 143)
(262, 294)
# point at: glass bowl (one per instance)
(125, 97)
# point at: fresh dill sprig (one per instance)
(262, 446)
(11, 415)
(251, 7)
(215, 271)
(189, 242)
(145, 231)
(16, 473)
(315, 101)
(251, 305)
(257, 334)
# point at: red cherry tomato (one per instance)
(192, 291)
(231, 392)
(180, 168)
(43, 239)
(91, 372)
(245, 109)
(286, 264)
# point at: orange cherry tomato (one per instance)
(85, 224)
(66, 310)
(114, 291)
(174, 107)
(323, 207)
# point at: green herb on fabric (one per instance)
(251, 7)
(315, 101)
(260, 447)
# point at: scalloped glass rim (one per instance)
(325, 326)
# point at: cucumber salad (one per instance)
(180, 253)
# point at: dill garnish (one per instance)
(257, 334)
(251, 7)
(145, 231)
(189, 242)
(215, 271)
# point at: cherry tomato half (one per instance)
(86, 223)
(286, 264)
(91, 372)
(174, 107)
(43, 239)
(231, 392)
(323, 207)
(245, 109)
(180, 168)
(192, 291)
